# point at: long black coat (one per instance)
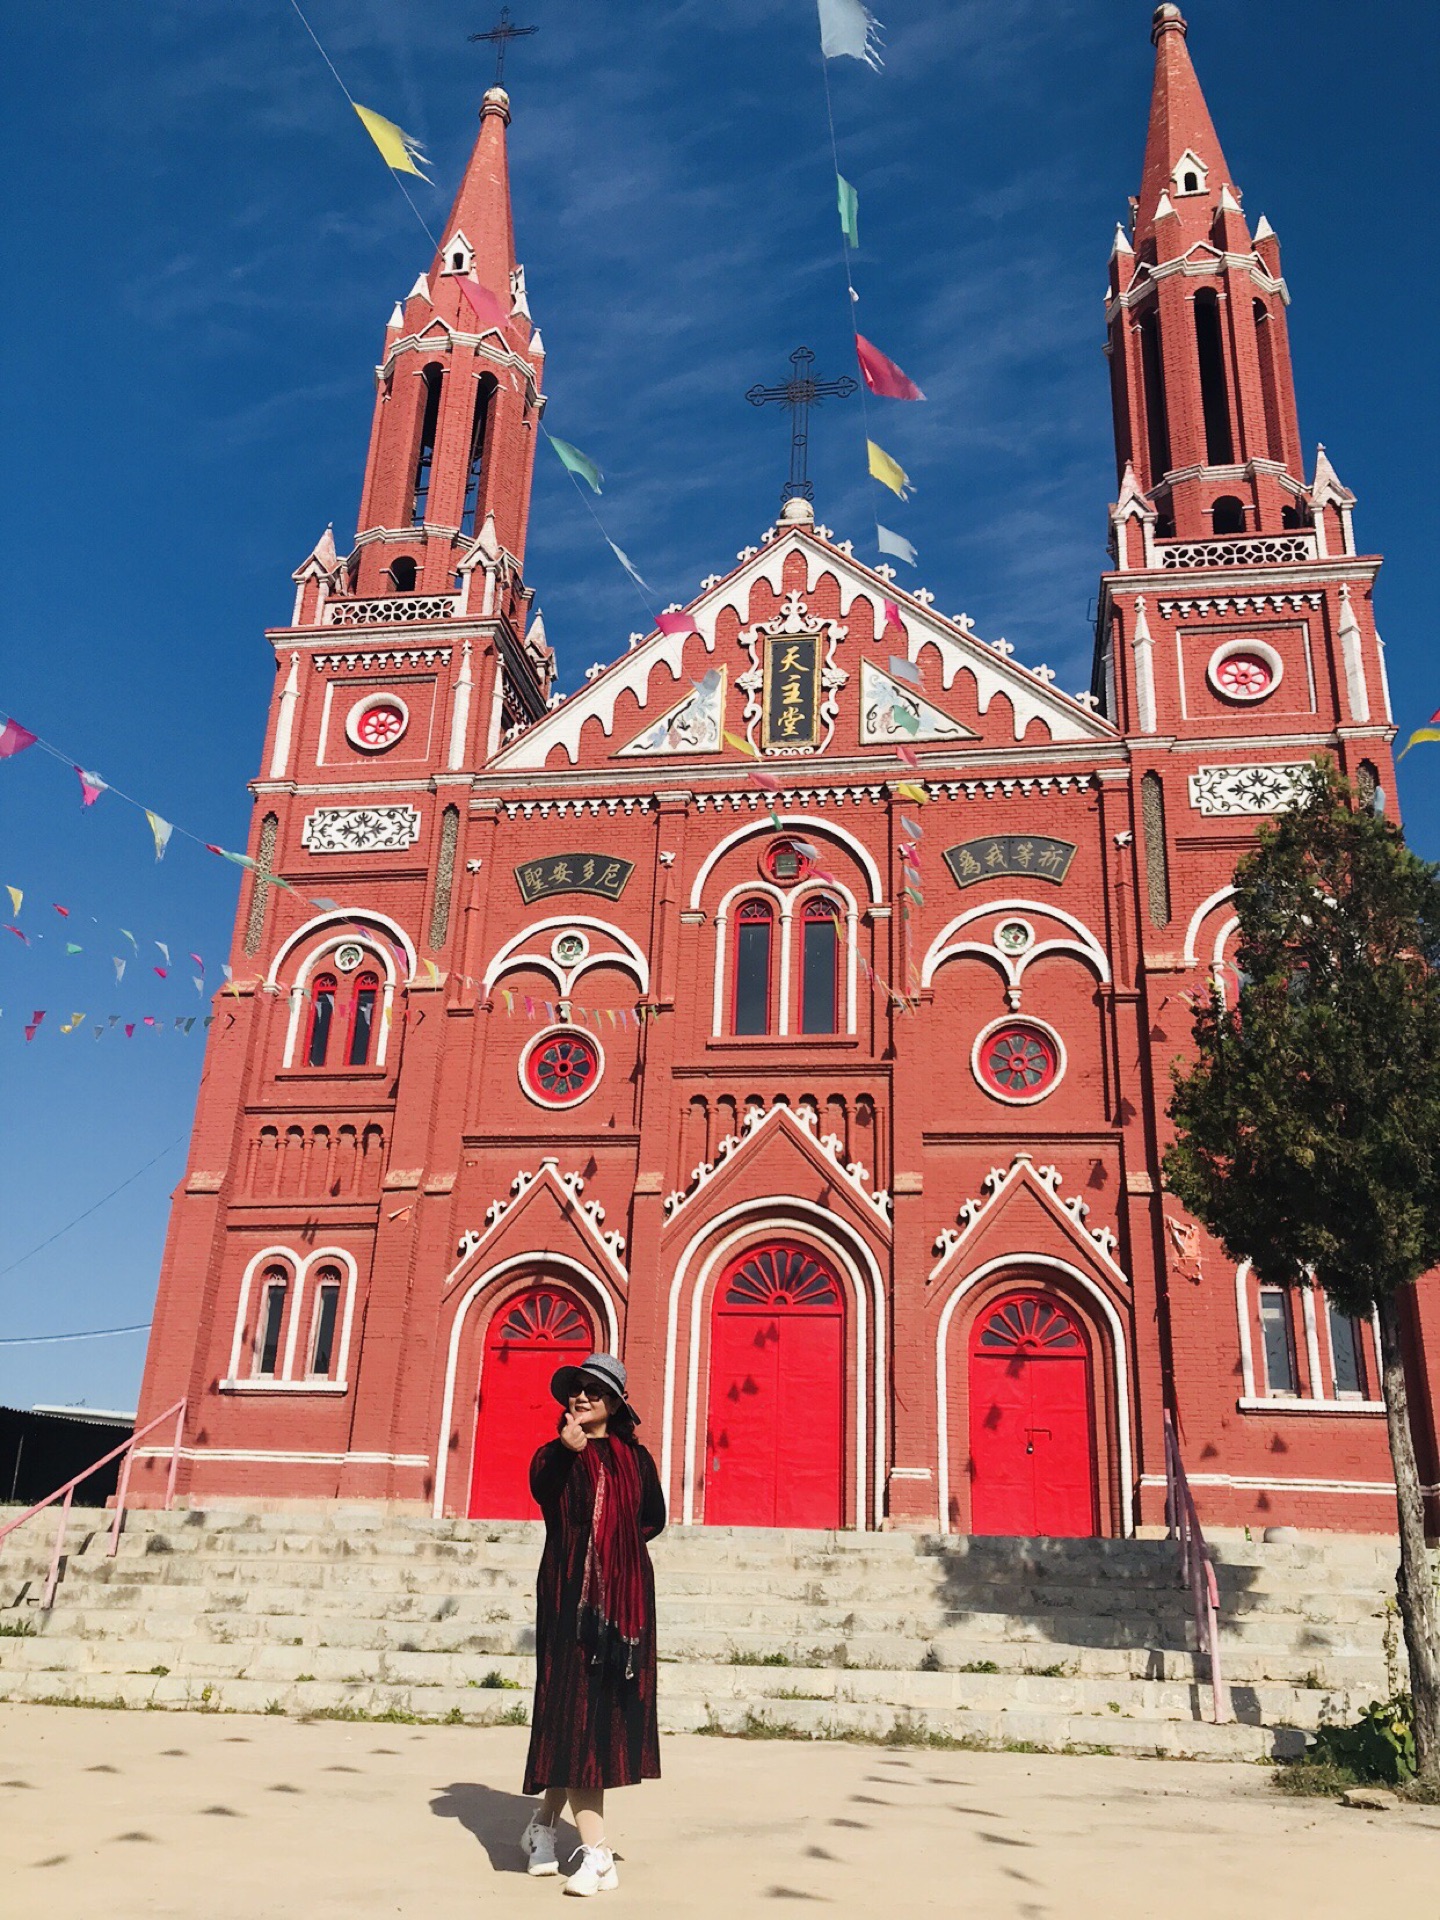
(588, 1729)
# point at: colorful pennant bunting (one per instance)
(895, 544)
(849, 204)
(849, 30)
(576, 462)
(888, 471)
(398, 149)
(881, 375)
(15, 739)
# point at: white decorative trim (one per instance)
(1017, 1262)
(387, 657)
(776, 1214)
(789, 984)
(574, 1100)
(361, 829)
(805, 1121)
(1294, 1404)
(1227, 651)
(401, 609)
(1276, 550)
(1222, 792)
(1241, 603)
(1353, 654)
(790, 823)
(538, 1264)
(285, 719)
(1192, 932)
(1062, 1060)
(274, 1456)
(1046, 1181)
(381, 698)
(946, 947)
(569, 1187)
(691, 726)
(1251, 1400)
(1143, 648)
(342, 934)
(626, 954)
(1256, 1483)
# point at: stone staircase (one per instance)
(1047, 1643)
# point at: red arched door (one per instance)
(527, 1341)
(774, 1444)
(1032, 1427)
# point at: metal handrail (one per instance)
(66, 1494)
(1197, 1569)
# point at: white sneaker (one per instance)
(538, 1841)
(595, 1874)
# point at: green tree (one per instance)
(1308, 1127)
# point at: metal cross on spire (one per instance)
(799, 393)
(500, 36)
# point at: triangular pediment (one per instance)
(892, 710)
(544, 1209)
(780, 1150)
(692, 725)
(815, 586)
(1020, 1212)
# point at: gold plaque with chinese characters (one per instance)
(792, 690)
(1010, 856)
(573, 873)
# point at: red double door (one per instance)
(1032, 1425)
(774, 1442)
(538, 1332)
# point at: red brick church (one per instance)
(841, 1124)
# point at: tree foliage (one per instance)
(1309, 1127)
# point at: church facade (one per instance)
(790, 1008)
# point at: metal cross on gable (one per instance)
(500, 36)
(799, 393)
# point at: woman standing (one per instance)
(594, 1722)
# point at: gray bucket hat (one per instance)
(601, 1369)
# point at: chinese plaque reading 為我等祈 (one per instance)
(792, 690)
(1001, 855)
(573, 873)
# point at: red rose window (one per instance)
(1244, 676)
(562, 1068)
(380, 726)
(1019, 1060)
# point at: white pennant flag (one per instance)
(848, 28)
(896, 544)
(626, 563)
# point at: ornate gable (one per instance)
(816, 587)
(1021, 1212)
(544, 1210)
(780, 1136)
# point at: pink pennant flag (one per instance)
(34, 1026)
(198, 961)
(765, 780)
(130, 1030)
(64, 912)
(892, 617)
(487, 308)
(17, 933)
(529, 1008)
(674, 623)
(15, 739)
(149, 1019)
(163, 972)
(881, 375)
(91, 787)
(907, 754)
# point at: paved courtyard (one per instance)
(217, 1816)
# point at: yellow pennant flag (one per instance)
(888, 472)
(75, 1020)
(908, 790)
(397, 149)
(17, 897)
(742, 746)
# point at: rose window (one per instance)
(541, 1319)
(1030, 1323)
(561, 1068)
(380, 726)
(1245, 670)
(1018, 1060)
(779, 1277)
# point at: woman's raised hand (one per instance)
(573, 1434)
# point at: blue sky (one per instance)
(204, 253)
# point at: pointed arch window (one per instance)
(819, 967)
(1269, 381)
(362, 1022)
(271, 1322)
(479, 435)
(342, 1030)
(432, 381)
(1214, 397)
(322, 1019)
(327, 1314)
(754, 965)
(1152, 371)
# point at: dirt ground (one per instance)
(217, 1816)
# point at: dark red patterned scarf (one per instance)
(612, 1594)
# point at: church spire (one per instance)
(452, 446)
(1185, 172)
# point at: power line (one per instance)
(96, 1333)
(60, 1232)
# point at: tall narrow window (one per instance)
(818, 969)
(327, 1311)
(1157, 864)
(362, 1027)
(754, 925)
(272, 1318)
(1157, 424)
(479, 428)
(1269, 381)
(1277, 1333)
(1347, 1350)
(432, 379)
(1214, 400)
(322, 1018)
